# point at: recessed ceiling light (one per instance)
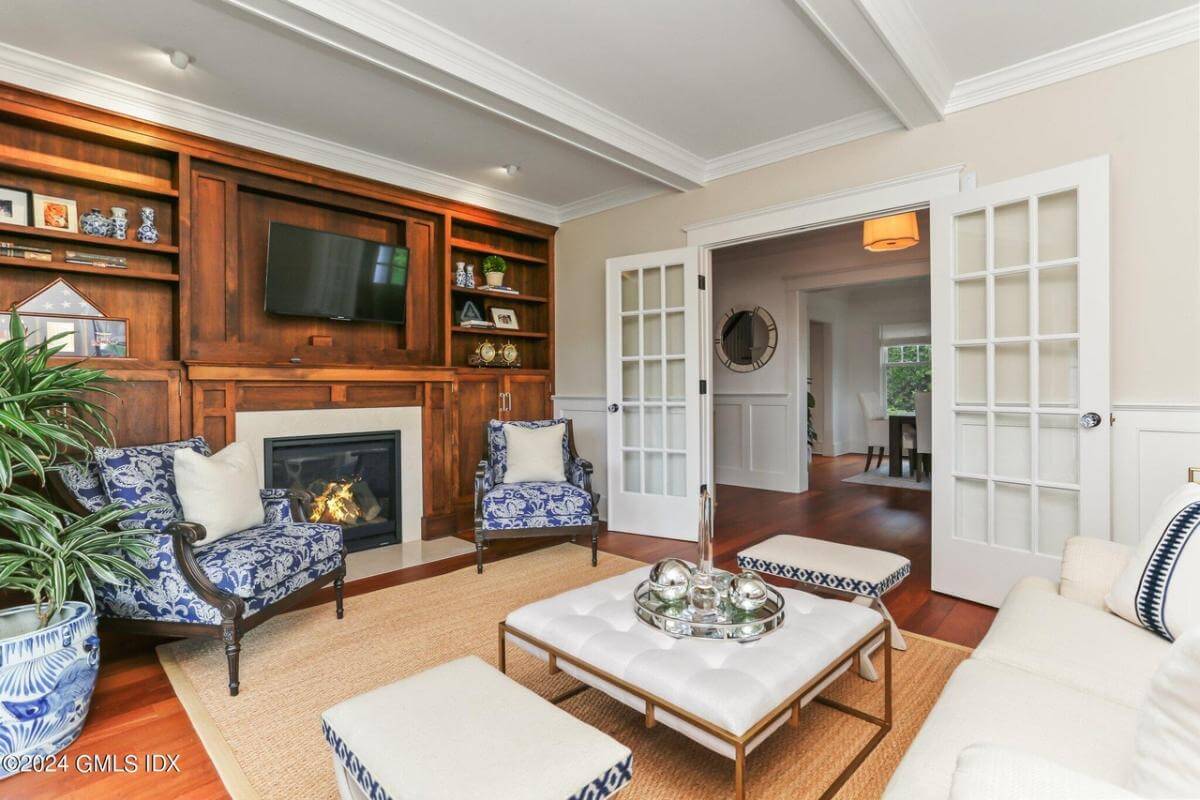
(511, 169)
(179, 59)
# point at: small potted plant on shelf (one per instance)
(49, 650)
(494, 268)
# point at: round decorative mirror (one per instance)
(746, 338)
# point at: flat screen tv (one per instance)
(318, 274)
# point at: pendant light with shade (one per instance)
(896, 232)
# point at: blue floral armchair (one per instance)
(534, 509)
(220, 590)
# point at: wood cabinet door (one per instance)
(528, 397)
(477, 401)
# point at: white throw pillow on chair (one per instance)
(535, 454)
(1160, 587)
(219, 492)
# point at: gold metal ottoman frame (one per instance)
(789, 706)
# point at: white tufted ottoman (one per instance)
(464, 730)
(862, 572)
(727, 696)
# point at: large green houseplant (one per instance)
(49, 650)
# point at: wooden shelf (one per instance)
(84, 239)
(112, 272)
(525, 298)
(500, 332)
(477, 247)
(49, 166)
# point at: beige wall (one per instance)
(1145, 114)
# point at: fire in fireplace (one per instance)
(350, 480)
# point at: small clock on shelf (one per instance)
(489, 355)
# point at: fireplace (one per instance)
(352, 480)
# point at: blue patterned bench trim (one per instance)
(828, 580)
(1151, 600)
(362, 776)
(607, 784)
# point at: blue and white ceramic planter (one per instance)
(46, 680)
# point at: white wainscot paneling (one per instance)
(751, 440)
(1153, 447)
(589, 419)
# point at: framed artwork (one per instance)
(14, 205)
(59, 310)
(55, 213)
(504, 318)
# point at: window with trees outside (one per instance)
(905, 372)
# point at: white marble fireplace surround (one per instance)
(256, 426)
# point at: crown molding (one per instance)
(901, 30)
(393, 38)
(52, 76)
(1145, 38)
(621, 196)
(831, 134)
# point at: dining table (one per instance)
(896, 424)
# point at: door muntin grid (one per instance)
(653, 405)
(1016, 377)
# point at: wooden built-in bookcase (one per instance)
(200, 344)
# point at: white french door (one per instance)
(654, 368)
(1021, 378)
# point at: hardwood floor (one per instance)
(135, 711)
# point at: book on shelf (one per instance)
(501, 289)
(13, 249)
(476, 323)
(99, 259)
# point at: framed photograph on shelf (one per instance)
(504, 318)
(14, 205)
(55, 213)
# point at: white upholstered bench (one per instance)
(727, 696)
(461, 730)
(862, 572)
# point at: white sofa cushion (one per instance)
(1160, 587)
(989, 702)
(1166, 760)
(1088, 649)
(990, 772)
(534, 454)
(463, 729)
(219, 492)
(1089, 569)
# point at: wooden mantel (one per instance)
(201, 371)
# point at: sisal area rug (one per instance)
(267, 743)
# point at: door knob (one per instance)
(613, 408)
(1089, 420)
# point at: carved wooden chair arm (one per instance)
(183, 536)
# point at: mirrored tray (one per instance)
(729, 624)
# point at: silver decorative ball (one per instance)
(670, 579)
(748, 591)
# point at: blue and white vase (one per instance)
(146, 232)
(119, 224)
(93, 223)
(47, 676)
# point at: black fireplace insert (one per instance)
(352, 480)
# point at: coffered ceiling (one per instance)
(598, 103)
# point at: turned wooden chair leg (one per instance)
(338, 585)
(232, 651)
(870, 452)
(879, 463)
(595, 543)
(479, 556)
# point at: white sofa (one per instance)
(1047, 705)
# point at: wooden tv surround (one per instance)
(201, 348)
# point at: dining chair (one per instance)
(922, 452)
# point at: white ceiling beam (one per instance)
(887, 46)
(394, 39)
